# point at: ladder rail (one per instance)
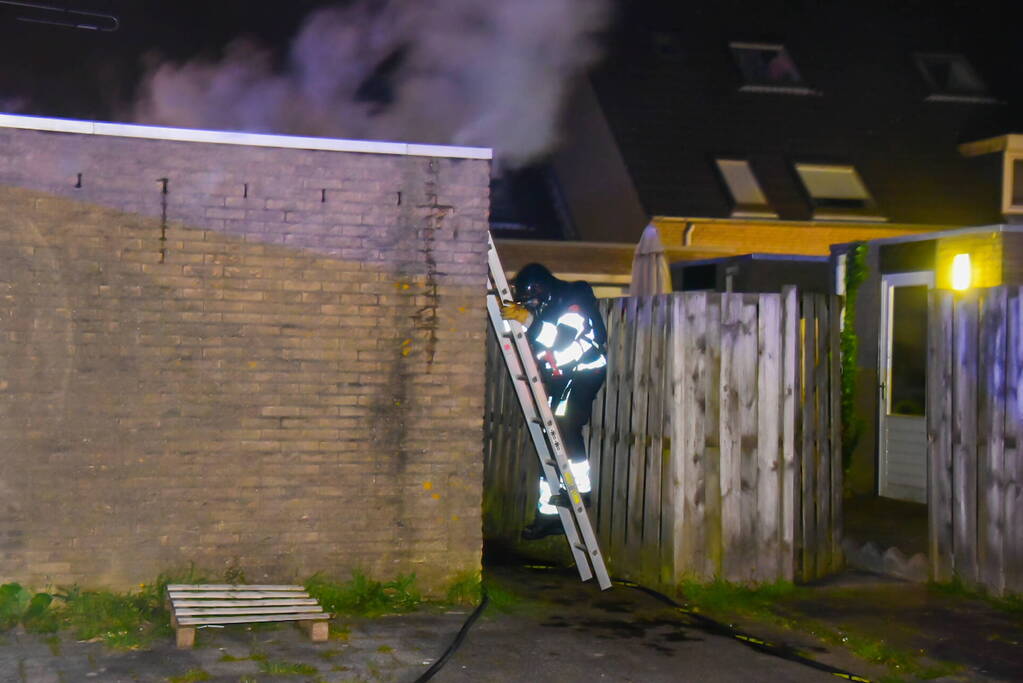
(543, 427)
(536, 432)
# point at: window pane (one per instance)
(951, 74)
(835, 187)
(1017, 182)
(909, 350)
(833, 182)
(741, 182)
(766, 65)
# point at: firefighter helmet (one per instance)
(534, 285)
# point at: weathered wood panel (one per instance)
(730, 429)
(690, 432)
(939, 437)
(769, 402)
(807, 536)
(791, 431)
(975, 387)
(964, 438)
(1013, 446)
(712, 443)
(991, 462)
(837, 483)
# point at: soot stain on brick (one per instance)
(163, 218)
(426, 318)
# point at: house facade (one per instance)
(783, 128)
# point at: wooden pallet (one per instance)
(193, 605)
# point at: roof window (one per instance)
(747, 197)
(837, 193)
(768, 68)
(951, 77)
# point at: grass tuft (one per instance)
(466, 589)
(362, 596)
(287, 668)
(723, 596)
(191, 676)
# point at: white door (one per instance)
(903, 387)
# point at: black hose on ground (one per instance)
(704, 622)
(716, 627)
(457, 642)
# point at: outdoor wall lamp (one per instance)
(961, 272)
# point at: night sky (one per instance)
(55, 71)
(65, 72)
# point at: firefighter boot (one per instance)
(543, 526)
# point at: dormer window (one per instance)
(767, 67)
(1010, 147)
(748, 200)
(951, 78)
(837, 193)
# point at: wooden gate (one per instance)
(714, 444)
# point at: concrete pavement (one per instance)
(547, 626)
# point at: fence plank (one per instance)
(637, 440)
(822, 400)
(713, 547)
(808, 451)
(964, 439)
(769, 504)
(939, 436)
(1013, 444)
(609, 423)
(990, 454)
(620, 498)
(655, 432)
(693, 424)
(731, 435)
(593, 434)
(791, 434)
(834, 427)
(674, 502)
(746, 375)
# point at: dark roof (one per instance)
(673, 100)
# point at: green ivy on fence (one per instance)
(852, 424)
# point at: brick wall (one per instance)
(276, 365)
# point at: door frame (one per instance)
(884, 373)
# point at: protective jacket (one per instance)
(568, 336)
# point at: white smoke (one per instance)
(491, 73)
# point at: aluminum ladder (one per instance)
(543, 429)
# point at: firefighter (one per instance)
(569, 341)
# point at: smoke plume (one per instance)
(488, 73)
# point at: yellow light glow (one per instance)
(961, 272)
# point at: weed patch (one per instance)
(287, 668)
(362, 596)
(191, 676)
(726, 600)
(1012, 604)
(723, 596)
(465, 589)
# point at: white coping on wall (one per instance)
(232, 138)
(941, 234)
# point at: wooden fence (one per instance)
(714, 444)
(974, 437)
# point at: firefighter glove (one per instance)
(515, 311)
